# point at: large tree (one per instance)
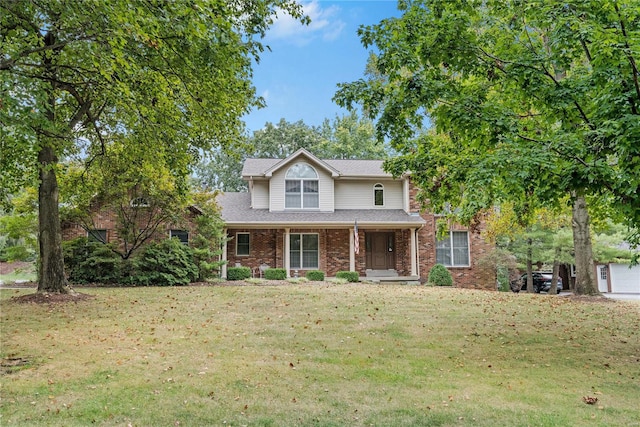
(165, 78)
(344, 137)
(532, 100)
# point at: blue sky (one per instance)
(299, 76)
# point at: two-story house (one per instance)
(303, 213)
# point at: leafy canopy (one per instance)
(529, 101)
(163, 78)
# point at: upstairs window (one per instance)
(453, 250)
(301, 187)
(378, 195)
(181, 235)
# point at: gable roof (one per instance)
(337, 167)
(300, 153)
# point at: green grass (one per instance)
(27, 273)
(319, 355)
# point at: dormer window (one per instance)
(301, 187)
(378, 195)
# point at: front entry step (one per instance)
(381, 273)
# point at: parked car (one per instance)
(541, 282)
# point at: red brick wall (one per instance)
(474, 276)
(106, 219)
(262, 248)
(267, 247)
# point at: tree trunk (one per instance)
(51, 277)
(556, 271)
(585, 271)
(530, 288)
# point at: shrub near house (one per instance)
(171, 256)
(164, 263)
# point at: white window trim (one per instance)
(302, 193)
(237, 240)
(451, 249)
(378, 186)
(302, 251)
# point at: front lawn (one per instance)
(321, 355)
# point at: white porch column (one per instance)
(352, 254)
(414, 253)
(287, 243)
(223, 256)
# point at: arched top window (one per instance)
(301, 171)
(378, 195)
(301, 187)
(139, 202)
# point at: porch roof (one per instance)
(236, 212)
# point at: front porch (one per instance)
(377, 254)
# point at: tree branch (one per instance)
(632, 62)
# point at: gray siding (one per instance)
(325, 189)
(359, 194)
(260, 196)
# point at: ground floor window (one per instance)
(97, 236)
(181, 235)
(242, 244)
(453, 250)
(303, 251)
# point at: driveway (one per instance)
(627, 297)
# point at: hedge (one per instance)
(439, 276)
(238, 273)
(275, 274)
(315, 275)
(351, 276)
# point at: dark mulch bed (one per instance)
(590, 298)
(51, 298)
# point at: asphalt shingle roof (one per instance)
(361, 168)
(236, 211)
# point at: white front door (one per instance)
(603, 274)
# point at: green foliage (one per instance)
(275, 274)
(91, 262)
(350, 137)
(142, 89)
(351, 276)
(528, 104)
(19, 227)
(439, 276)
(346, 137)
(238, 273)
(315, 275)
(209, 238)
(165, 263)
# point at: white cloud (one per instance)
(325, 24)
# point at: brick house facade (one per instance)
(104, 226)
(301, 214)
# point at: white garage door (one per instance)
(624, 279)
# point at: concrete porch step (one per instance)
(381, 273)
(409, 280)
